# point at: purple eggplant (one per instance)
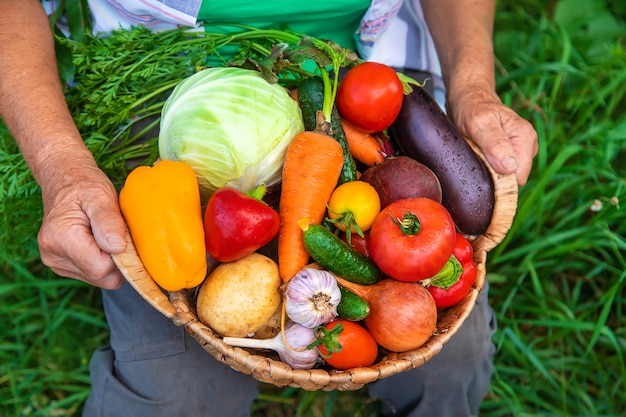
(424, 132)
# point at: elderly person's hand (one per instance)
(508, 141)
(82, 224)
(462, 31)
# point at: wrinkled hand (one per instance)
(82, 226)
(508, 141)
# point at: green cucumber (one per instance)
(339, 257)
(352, 307)
(311, 98)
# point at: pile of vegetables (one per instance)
(333, 214)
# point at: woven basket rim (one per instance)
(179, 308)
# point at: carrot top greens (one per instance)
(120, 82)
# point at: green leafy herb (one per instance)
(122, 81)
(117, 85)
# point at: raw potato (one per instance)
(272, 327)
(239, 297)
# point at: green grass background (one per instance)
(557, 280)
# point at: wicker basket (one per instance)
(268, 368)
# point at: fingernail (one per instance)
(116, 241)
(509, 162)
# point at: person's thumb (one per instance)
(107, 226)
(496, 147)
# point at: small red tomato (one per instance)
(412, 239)
(358, 242)
(346, 344)
(463, 254)
(237, 224)
(370, 96)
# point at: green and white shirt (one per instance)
(389, 31)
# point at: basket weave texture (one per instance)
(266, 367)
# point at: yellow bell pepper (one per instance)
(161, 206)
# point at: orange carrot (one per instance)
(364, 147)
(313, 163)
(293, 93)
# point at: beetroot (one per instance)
(402, 177)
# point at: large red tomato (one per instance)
(412, 239)
(370, 96)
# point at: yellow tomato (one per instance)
(354, 204)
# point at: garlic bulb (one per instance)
(294, 353)
(311, 297)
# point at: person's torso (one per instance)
(337, 20)
(327, 19)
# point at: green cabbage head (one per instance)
(231, 126)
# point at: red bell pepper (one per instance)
(456, 278)
(237, 223)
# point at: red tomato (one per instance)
(463, 252)
(358, 242)
(370, 96)
(412, 239)
(237, 224)
(350, 345)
